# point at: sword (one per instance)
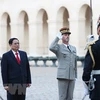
(91, 85)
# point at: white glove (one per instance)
(90, 39)
(59, 35)
(86, 91)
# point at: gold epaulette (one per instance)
(90, 51)
(90, 43)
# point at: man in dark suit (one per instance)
(92, 67)
(15, 71)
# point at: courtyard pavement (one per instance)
(44, 85)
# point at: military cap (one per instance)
(65, 30)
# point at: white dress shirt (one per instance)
(15, 53)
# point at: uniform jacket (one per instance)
(95, 94)
(12, 72)
(67, 67)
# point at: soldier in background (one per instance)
(90, 40)
(93, 67)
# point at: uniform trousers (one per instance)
(66, 88)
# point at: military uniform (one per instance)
(67, 67)
(88, 68)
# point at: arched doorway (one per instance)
(42, 32)
(84, 26)
(5, 31)
(62, 18)
(23, 33)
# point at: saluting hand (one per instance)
(59, 35)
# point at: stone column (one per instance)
(59, 24)
(14, 29)
(52, 32)
(3, 38)
(95, 19)
(20, 34)
(77, 39)
(82, 35)
(39, 37)
(32, 38)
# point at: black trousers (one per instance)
(18, 93)
(15, 97)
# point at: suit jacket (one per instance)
(12, 72)
(67, 62)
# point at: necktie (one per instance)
(68, 48)
(17, 58)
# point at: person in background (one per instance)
(15, 71)
(67, 64)
(92, 68)
(90, 40)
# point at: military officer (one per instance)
(92, 66)
(67, 66)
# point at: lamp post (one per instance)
(91, 17)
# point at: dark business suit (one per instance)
(95, 93)
(15, 75)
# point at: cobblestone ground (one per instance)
(44, 85)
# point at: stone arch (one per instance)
(23, 30)
(5, 30)
(42, 32)
(62, 18)
(84, 24)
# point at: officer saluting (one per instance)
(92, 66)
(67, 66)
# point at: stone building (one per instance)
(36, 22)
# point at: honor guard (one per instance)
(91, 71)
